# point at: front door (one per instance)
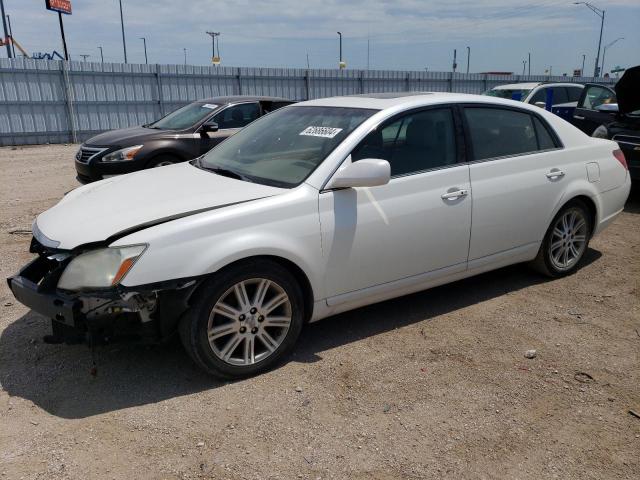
(585, 116)
(419, 222)
(230, 121)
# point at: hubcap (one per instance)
(249, 321)
(568, 240)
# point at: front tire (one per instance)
(565, 242)
(243, 320)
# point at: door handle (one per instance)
(555, 174)
(578, 117)
(454, 195)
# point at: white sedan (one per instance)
(318, 208)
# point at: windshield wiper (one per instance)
(225, 172)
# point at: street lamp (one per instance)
(101, 54)
(144, 40)
(583, 59)
(600, 13)
(124, 42)
(468, 57)
(529, 64)
(341, 64)
(524, 66)
(185, 55)
(604, 51)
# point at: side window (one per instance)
(496, 132)
(269, 106)
(237, 116)
(539, 96)
(413, 143)
(559, 95)
(574, 93)
(545, 141)
(596, 96)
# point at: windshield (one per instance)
(511, 94)
(185, 117)
(284, 147)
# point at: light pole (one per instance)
(124, 41)
(4, 25)
(185, 55)
(583, 59)
(13, 45)
(604, 51)
(529, 64)
(84, 57)
(455, 61)
(468, 57)
(340, 63)
(215, 59)
(600, 13)
(524, 66)
(144, 40)
(101, 55)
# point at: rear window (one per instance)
(515, 94)
(497, 132)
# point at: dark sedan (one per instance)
(604, 112)
(181, 135)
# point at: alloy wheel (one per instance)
(568, 239)
(249, 321)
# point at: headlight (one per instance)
(122, 154)
(101, 268)
(600, 132)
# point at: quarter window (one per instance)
(497, 132)
(596, 96)
(413, 143)
(545, 140)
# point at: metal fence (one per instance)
(45, 101)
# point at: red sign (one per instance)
(62, 6)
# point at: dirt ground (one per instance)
(433, 385)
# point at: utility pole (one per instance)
(101, 54)
(529, 64)
(604, 51)
(64, 40)
(214, 59)
(4, 26)
(185, 55)
(468, 57)
(524, 66)
(583, 59)
(600, 13)
(124, 41)
(13, 45)
(308, 67)
(368, 51)
(144, 40)
(455, 64)
(84, 57)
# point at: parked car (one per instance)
(184, 134)
(536, 93)
(318, 208)
(614, 113)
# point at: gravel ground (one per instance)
(433, 385)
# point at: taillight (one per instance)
(619, 154)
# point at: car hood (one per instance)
(628, 90)
(114, 207)
(126, 137)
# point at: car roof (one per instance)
(242, 98)
(378, 101)
(532, 85)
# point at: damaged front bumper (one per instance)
(148, 313)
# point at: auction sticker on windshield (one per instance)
(325, 132)
(210, 106)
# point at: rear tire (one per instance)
(565, 242)
(243, 320)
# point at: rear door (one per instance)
(517, 178)
(585, 116)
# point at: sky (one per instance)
(398, 34)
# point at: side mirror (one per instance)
(608, 108)
(540, 104)
(209, 127)
(370, 172)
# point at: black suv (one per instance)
(181, 135)
(614, 114)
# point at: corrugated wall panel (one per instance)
(37, 96)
